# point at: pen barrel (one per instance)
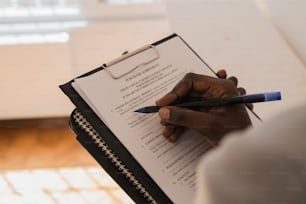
(262, 97)
(213, 102)
(252, 98)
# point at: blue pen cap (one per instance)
(273, 96)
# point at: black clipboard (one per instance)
(107, 150)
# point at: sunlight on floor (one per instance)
(90, 185)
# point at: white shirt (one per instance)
(266, 164)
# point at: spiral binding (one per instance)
(84, 124)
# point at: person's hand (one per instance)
(213, 122)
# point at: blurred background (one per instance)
(45, 43)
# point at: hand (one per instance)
(213, 122)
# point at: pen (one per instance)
(249, 98)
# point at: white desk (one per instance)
(226, 33)
(235, 35)
(289, 18)
(30, 74)
(29, 80)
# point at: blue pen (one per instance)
(250, 98)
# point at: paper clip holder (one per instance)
(128, 55)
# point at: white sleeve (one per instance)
(266, 164)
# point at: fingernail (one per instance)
(164, 113)
(157, 101)
(173, 138)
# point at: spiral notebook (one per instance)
(129, 145)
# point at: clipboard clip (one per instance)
(126, 55)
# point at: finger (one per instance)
(185, 117)
(164, 123)
(212, 143)
(172, 133)
(164, 114)
(233, 79)
(241, 91)
(190, 83)
(166, 100)
(168, 131)
(176, 135)
(222, 74)
(181, 89)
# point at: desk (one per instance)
(229, 34)
(234, 34)
(31, 73)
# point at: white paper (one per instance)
(171, 165)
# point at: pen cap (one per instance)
(273, 96)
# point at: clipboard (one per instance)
(129, 176)
(95, 136)
(108, 66)
(99, 141)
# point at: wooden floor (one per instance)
(43, 158)
(40, 143)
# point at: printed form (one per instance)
(171, 165)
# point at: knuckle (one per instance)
(233, 78)
(177, 116)
(242, 90)
(189, 75)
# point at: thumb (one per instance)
(184, 117)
